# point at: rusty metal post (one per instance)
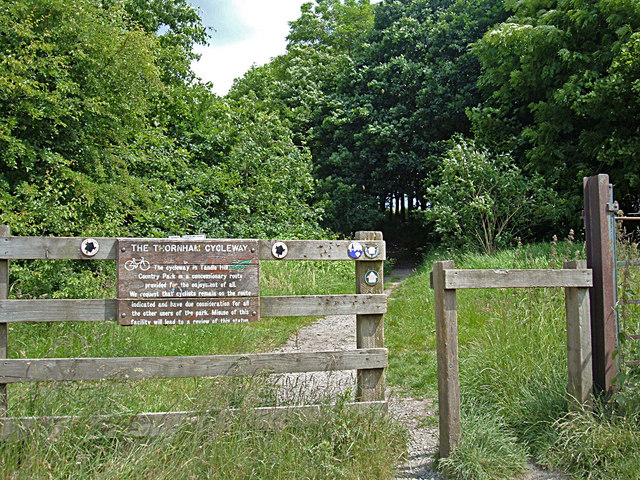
(600, 238)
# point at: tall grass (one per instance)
(513, 370)
(338, 443)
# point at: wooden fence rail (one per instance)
(369, 304)
(575, 278)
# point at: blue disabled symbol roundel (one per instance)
(355, 250)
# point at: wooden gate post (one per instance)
(370, 383)
(600, 239)
(448, 370)
(578, 342)
(5, 231)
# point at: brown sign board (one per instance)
(183, 311)
(187, 281)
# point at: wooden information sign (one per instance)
(185, 281)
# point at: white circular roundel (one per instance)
(89, 247)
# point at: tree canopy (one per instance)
(561, 91)
(105, 128)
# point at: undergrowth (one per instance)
(513, 371)
(337, 443)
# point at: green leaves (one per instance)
(559, 80)
(483, 200)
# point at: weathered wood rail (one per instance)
(368, 304)
(575, 278)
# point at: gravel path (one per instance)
(337, 332)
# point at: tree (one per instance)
(380, 133)
(560, 83)
(484, 200)
(75, 84)
(86, 149)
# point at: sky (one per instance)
(243, 33)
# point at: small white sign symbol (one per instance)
(372, 277)
(89, 247)
(371, 251)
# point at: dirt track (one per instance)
(337, 332)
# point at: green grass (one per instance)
(513, 370)
(87, 339)
(339, 443)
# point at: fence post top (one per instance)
(444, 264)
(368, 235)
(575, 264)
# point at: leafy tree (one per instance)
(86, 149)
(75, 83)
(247, 177)
(484, 200)
(407, 91)
(561, 90)
(322, 45)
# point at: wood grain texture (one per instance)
(319, 249)
(165, 423)
(4, 330)
(579, 355)
(446, 317)
(599, 237)
(459, 279)
(125, 368)
(101, 310)
(69, 248)
(370, 384)
(78, 310)
(30, 248)
(312, 305)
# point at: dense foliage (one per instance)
(105, 130)
(104, 127)
(561, 82)
(483, 201)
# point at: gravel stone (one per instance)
(337, 332)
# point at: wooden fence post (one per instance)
(448, 370)
(370, 383)
(579, 355)
(5, 231)
(600, 238)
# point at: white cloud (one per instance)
(263, 27)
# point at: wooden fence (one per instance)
(368, 304)
(575, 278)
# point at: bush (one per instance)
(484, 200)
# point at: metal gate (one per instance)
(627, 256)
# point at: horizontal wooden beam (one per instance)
(130, 368)
(32, 248)
(314, 305)
(319, 249)
(165, 423)
(79, 310)
(101, 310)
(460, 279)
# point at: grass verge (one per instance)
(338, 443)
(512, 349)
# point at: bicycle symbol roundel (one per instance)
(133, 264)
